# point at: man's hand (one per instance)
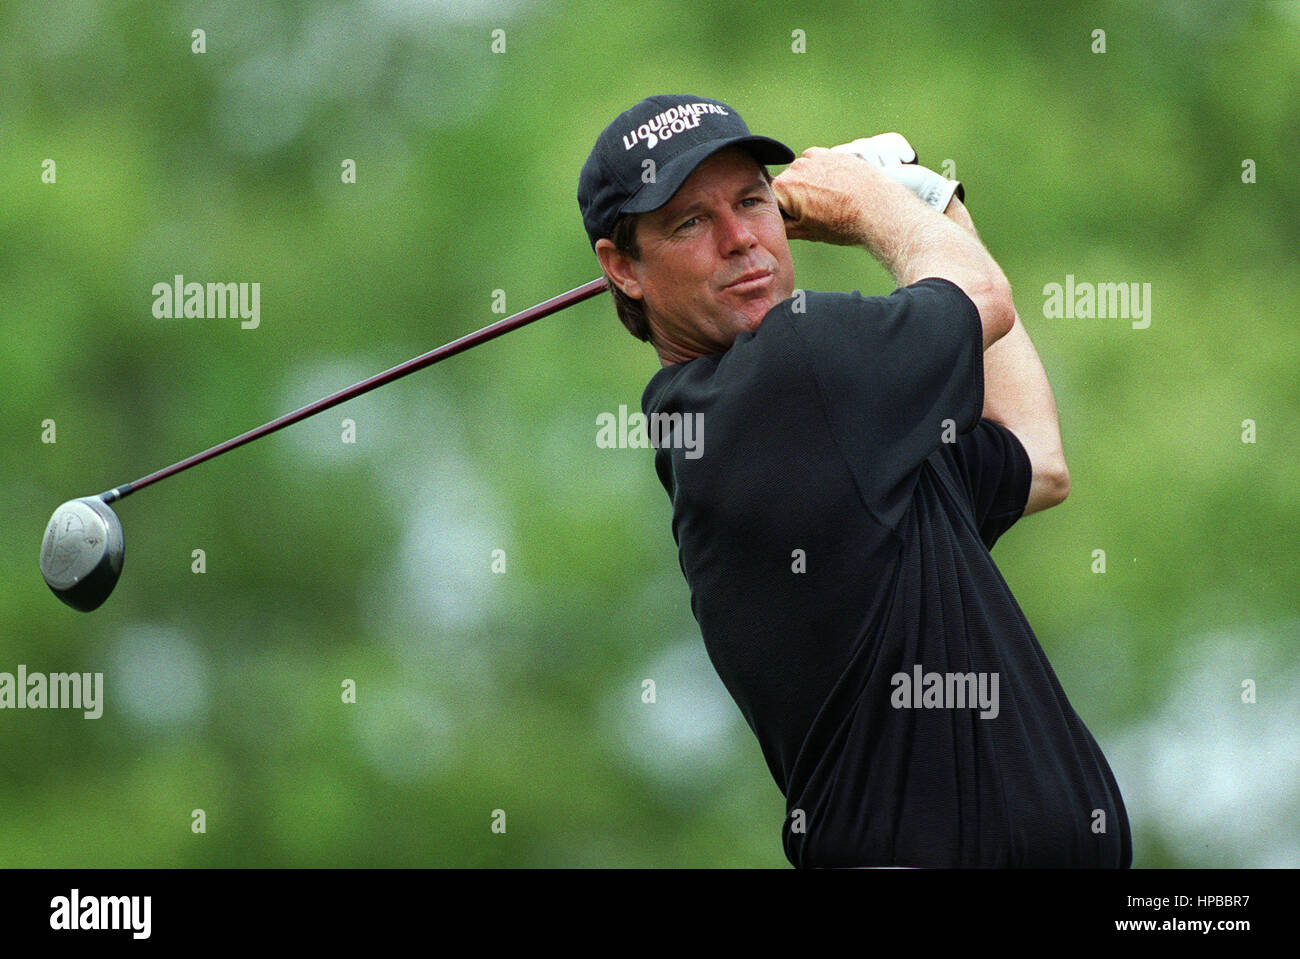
(821, 194)
(893, 155)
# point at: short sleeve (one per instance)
(895, 374)
(995, 469)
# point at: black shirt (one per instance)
(834, 524)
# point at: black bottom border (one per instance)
(977, 909)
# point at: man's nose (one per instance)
(735, 234)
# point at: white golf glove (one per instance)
(885, 149)
(893, 156)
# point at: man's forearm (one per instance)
(912, 242)
(1017, 393)
(838, 198)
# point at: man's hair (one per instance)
(631, 312)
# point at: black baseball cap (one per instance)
(676, 133)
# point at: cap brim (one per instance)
(670, 177)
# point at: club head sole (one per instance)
(82, 553)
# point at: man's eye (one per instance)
(689, 223)
(755, 200)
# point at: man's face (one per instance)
(714, 259)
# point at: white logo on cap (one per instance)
(673, 120)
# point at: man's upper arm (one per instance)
(894, 375)
(995, 468)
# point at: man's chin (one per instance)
(751, 317)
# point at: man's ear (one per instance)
(618, 266)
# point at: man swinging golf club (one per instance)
(864, 455)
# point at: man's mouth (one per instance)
(749, 282)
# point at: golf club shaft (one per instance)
(553, 305)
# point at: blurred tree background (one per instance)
(372, 561)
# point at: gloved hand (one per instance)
(884, 149)
(894, 156)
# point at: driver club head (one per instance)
(81, 556)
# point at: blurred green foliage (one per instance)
(522, 690)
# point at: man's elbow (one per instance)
(1048, 487)
(1062, 485)
(1056, 486)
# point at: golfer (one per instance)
(857, 458)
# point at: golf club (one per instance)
(83, 549)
